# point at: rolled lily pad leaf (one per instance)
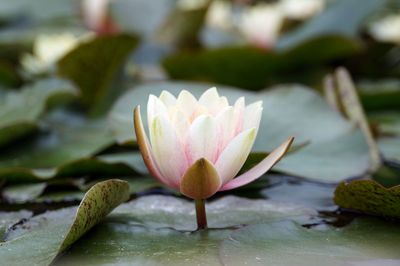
(369, 197)
(100, 59)
(338, 19)
(364, 242)
(323, 136)
(253, 68)
(20, 111)
(57, 230)
(7, 219)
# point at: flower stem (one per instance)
(201, 214)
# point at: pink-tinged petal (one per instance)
(167, 98)
(202, 140)
(252, 115)
(226, 126)
(179, 122)
(239, 108)
(201, 180)
(168, 149)
(235, 154)
(261, 168)
(187, 103)
(155, 107)
(145, 149)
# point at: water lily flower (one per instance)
(96, 16)
(199, 146)
(261, 24)
(386, 29)
(47, 50)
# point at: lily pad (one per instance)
(390, 147)
(69, 138)
(323, 135)
(143, 232)
(364, 242)
(254, 68)
(369, 197)
(24, 192)
(20, 111)
(100, 59)
(7, 219)
(57, 230)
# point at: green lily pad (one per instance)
(57, 230)
(253, 68)
(337, 19)
(167, 211)
(100, 59)
(69, 138)
(322, 134)
(364, 242)
(390, 147)
(24, 192)
(143, 231)
(20, 111)
(370, 197)
(388, 127)
(7, 219)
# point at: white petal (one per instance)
(146, 151)
(167, 98)
(261, 168)
(202, 140)
(211, 100)
(223, 102)
(252, 115)
(179, 122)
(235, 154)
(187, 103)
(168, 149)
(155, 107)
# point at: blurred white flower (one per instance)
(261, 24)
(47, 50)
(219, 15)
(386, 29)
(94, 12)
(301, 9)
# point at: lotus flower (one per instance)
(199, 146)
